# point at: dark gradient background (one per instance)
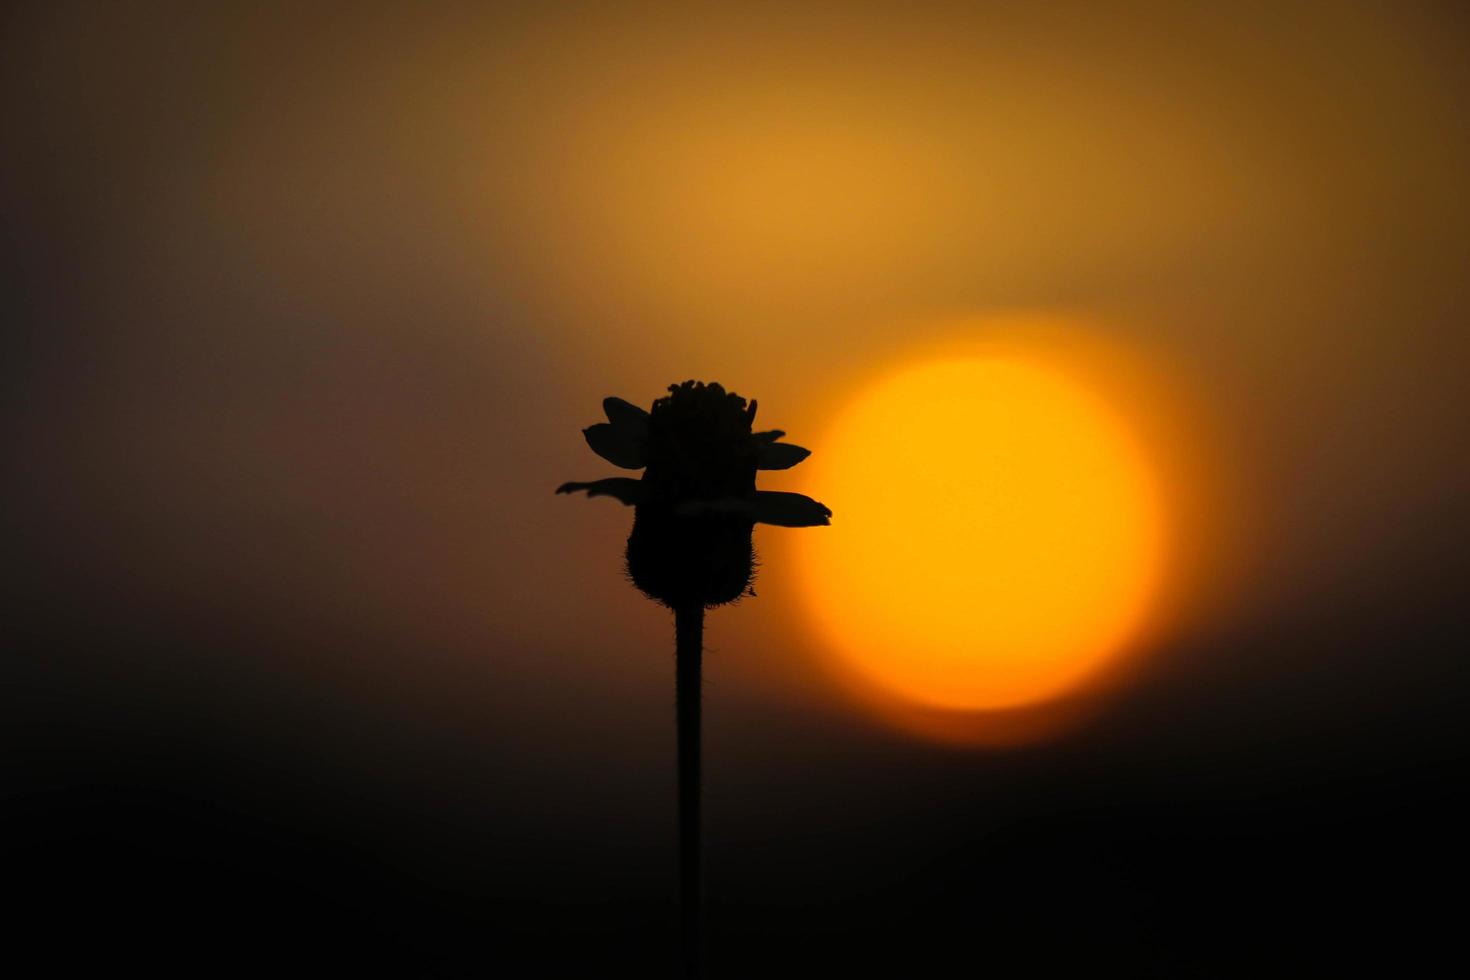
(306, 672)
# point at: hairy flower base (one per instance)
(679, 561)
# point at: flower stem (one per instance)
(689, 649)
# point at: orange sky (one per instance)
(307, 302)
(355, 282)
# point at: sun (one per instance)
(998, 534)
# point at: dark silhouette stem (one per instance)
(689, 649)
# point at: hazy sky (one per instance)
(308, 307)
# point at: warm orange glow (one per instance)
(998, 534)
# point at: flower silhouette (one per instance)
(694, 511)
(696, 505)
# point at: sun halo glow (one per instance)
(998, 535)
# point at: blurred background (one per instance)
(306, 671)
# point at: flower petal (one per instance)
(625, 415)
(770, 436)
(780, 456)
(616, 445)
(624, 488)
(789, 509)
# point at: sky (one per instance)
(307, 304)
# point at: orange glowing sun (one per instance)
(998, 534)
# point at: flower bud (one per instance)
(691, 538)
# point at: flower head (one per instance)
(696, 505)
